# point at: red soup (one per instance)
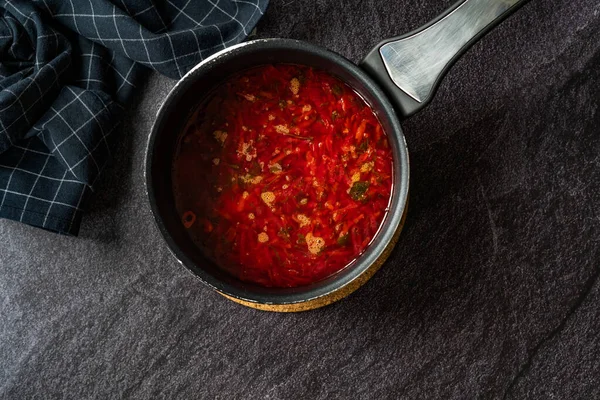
(283, 175)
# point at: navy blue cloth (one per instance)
(67, 68)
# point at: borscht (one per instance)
(282, 175)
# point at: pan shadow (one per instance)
(449, 239)
(115, 183)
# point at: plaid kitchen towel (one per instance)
(67, 67)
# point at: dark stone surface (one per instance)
(492, 291)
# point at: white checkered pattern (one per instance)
(62, 86)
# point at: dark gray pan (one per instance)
(397, 78)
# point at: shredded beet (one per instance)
(283, 175)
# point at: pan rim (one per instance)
(400, 193)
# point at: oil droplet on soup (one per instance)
(282, 175)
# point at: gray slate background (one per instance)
(492, 291)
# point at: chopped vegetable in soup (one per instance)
(283, 175)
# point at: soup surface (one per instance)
(282, 175)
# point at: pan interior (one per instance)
(173, 116)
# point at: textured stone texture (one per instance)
(491, 292)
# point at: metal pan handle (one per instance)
(410, 67)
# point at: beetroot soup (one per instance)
(282, 175)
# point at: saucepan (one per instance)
(397, 79)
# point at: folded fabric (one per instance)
(67, 67)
